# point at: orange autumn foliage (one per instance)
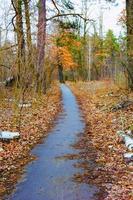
(61, 53)
(61, 48)
(65, 58)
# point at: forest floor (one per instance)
(35, 122)
(99, 102)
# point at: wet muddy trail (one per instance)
(50, 176)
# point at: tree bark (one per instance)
(17, 5)
(41, 39)
(60, 71)
(129, 9)
(28, 29)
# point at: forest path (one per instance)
(50, 177)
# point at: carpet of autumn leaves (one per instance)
(100, 142)
(35, 122)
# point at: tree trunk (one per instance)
(41, 39)
(129, 9)
(60, 71)
(28, 29)
(17, 5)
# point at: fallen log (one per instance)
(9, 82)
(128, 140)
(128, 156)
(25, 105)
(7, 135)
(122, 105)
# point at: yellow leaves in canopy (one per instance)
(67, 39)
(62, 50)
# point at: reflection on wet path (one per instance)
(50, 178)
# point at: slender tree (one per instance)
(28, 28)
(41, 39)
(17, 5)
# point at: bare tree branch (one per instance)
(55, 6)
(16, 13)
(69, 14)
(2, 65)
(6, 48)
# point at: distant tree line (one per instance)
(68, 50)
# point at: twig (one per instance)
(16, 13)
(21, 108)
(70, 14)
(6, 48)
(55, 6)
(2, 65)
